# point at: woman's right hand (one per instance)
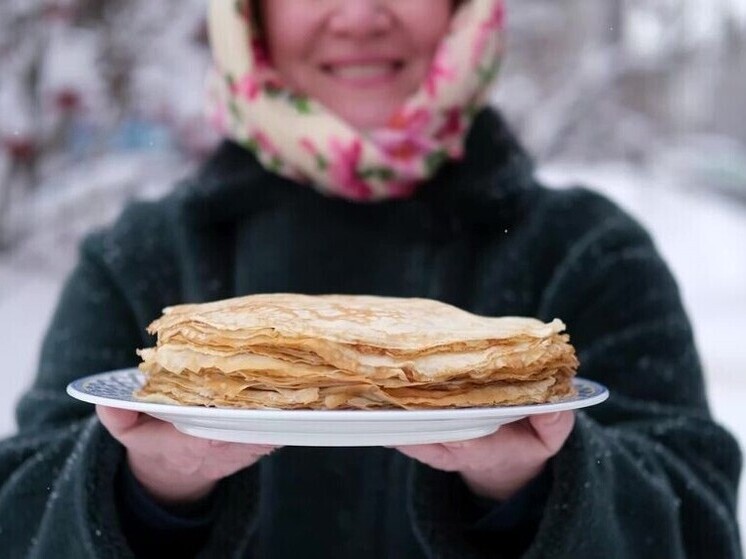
(173, 467)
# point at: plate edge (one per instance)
(325, 415)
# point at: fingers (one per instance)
(229, 459)
(437, 456)
(152, 437)
(553, 429)
(132, 427)
(172, 466)
(237, 452)
(117, 421)
(523, 442)
(423, 452)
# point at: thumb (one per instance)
(117, 421)
(552, 429)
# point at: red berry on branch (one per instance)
(201, 34)
(21, 149)
(67, 100)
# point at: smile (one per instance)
(364, 73)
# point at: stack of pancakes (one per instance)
(287, 351)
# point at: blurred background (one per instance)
(644, 100)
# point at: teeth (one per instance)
(362, 71)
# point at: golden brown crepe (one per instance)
(290, 351)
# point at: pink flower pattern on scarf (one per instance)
(248, 87)
(440, 71)
(265, 144)
(494, 24)
(345, 161)
(406, 137)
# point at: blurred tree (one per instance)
(584, 80)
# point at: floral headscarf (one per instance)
(249, 104)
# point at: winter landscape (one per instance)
(643, 101)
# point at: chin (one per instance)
(368, 118)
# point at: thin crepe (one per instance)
(327, 352)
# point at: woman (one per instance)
(361, 160)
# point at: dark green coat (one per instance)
(648, 474)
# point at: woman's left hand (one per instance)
(499, 465)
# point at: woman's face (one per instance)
(360, 58)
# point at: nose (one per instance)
(361, 18)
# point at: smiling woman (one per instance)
(362, 60)
(361, 99)
(360, 158)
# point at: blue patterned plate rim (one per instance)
(115, 389)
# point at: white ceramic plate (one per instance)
(322, 428)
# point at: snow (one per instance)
(116, 114)
(23, 318)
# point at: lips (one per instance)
(363, 72)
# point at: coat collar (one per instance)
(490, 179)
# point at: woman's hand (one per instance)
(499, 465)
(173, 467)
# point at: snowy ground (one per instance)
(698, 233)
